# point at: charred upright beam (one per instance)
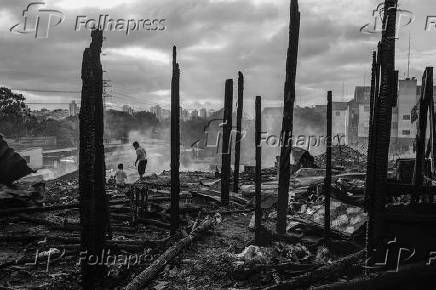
(375, 74)
(225, 154)
(382, 124)
(258, 182)
(432, 129)
(175, 143)
(94, 218)
(418, 173)
(288, 113)
(238, 131)
(328, 173)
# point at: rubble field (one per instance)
(222, 257)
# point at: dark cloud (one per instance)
(215, 39)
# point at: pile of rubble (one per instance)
(344, 156)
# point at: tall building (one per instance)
(203, 113)
(185, 115)
(194, 114)
(127, 109)
(157, 111)
(73, 109)
(403, 132)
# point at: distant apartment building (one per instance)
(74, 109)
(340, 119)
(403, 132)
(203, 113)
(157, 111)
(194, 114)
(184, 115)
(127, 109)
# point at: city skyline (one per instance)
(138, 64)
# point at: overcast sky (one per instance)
(215, 39)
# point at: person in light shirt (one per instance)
(141, 158)
(120, 176)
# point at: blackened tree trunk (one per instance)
(288, 113)
(328, 173)
(382, 123)
(258, 181)
(238, 131)
(225, 154)
(175, 144)
(93, 200)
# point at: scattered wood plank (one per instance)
(143, 279)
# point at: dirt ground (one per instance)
(223, 258)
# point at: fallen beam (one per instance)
(144, 278)
(333, 270)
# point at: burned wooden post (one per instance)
(382, 128)
(94, 215)
(175, 143)
(371, 138)
(258, 181)
(225, 154)
(288, 112)
(432, 135)
(424, 104)
(328, 173)
(238, 131)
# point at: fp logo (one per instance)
(404, 18)
(38, 21)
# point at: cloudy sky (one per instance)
(215, 39)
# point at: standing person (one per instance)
(120, 177)
(141, 158)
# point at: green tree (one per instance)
(14, 113)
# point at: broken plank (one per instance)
(144, 278)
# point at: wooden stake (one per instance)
(175, 143)
(288, 112)
(258, 181)
(238, 131)
(94, 214)
(328, 174)
(225, 154)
